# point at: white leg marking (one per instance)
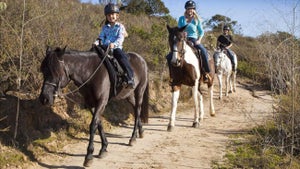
(175, 97)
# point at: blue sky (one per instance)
(255, 16)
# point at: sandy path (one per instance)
(185, 147)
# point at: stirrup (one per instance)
(206, 78)
(130, 84)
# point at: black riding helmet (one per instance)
(111, 8)
(226, 28)
(190, 4)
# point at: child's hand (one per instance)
(111, 45)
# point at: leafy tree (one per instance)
(158, 7)
(217, 22)
(3, 6)
(149, 7)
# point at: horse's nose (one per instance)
(43, 100)
(178, 62)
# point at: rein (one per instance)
(60, 94)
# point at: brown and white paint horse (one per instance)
(185, 69)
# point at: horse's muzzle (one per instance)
(177, 63)
(46, 100)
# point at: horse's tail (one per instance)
(145, 105)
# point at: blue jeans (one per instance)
(124, 62)
(231, 57)
(204, 54)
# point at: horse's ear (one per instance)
(182, 28)
(60, 51)
(48, 50)
(64, 49)
(169, 28)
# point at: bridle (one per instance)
(57, 85)
(181, 52)
(58, 93)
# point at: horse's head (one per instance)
(219, 56)
(177, 42)
(55, 74)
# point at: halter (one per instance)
(181, 52)
(57, 87)
(66, 70)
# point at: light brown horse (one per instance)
(185, 69)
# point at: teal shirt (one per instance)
(194, 30)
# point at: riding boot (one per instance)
(124, 63)
(130, 82)
(129, 76)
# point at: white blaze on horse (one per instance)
(224, 68)
(185, 69)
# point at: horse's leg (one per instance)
(94, 125)
(201, 107)
(220, 85)
(104, 142)
(136, 103)
(137, 124)
(175, 97)
(230, 82)
(227, 83)
(211, 100)
(196, 95)
(234, 81)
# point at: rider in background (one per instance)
(112, 35)
(224, 42)
(195, 33)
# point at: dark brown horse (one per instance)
(88, 72)
(185, 69)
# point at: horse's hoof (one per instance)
(170, 128)
(102, 154)
(212, 114)
(88, 162)
(141, 134)
(196, 124)
(132, 141)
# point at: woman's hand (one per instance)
(198, 41)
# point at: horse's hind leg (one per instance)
(211, 100)
(104, 142)
(198, 108)
(175, 97)
(137, 124)
(234, 81)
(227, 84)
(136, 103)
(220, 86)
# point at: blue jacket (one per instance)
(115, 34)
(194, 29)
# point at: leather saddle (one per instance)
(116, 73)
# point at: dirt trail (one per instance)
(185, 147)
